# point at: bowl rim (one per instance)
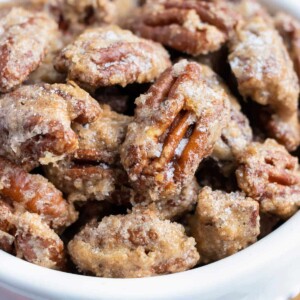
(44, 283)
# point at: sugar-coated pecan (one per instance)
(235, 136)
(75, 15)
(194, 27)
(94, 172)
(174, 208)
(24, 39)
(35, 122)
(86, 181)
(224, 223)
(100, 140)
(111, 56)
(176, 125)
(135, 245)
(270, 175)
(6, 215)
(37, 243)
(289, 29)
(265, 73)
(35, 194)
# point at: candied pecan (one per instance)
(194, 27)
(270, 175)
(24, 39)
(111, 56)
(224, 224)
(76, 15)
(101, 139)
(35, 122)
(6, 239)
(134, 245)
(174, 208)
(176, 125)
(236, 135)
(289, 29)
(37, 243)
(264, 71)
(86, 181)
(35, 194)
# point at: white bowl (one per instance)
(269, 269)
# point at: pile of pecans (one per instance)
(140, 138)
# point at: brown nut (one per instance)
(134, 245)
(37, 243)
(224, 224)
(100, 140)
(176, 125)
(194, 27)
(35, 194)
(111, 56)
(23, 44)
(75, 15)
(170, 209)
(35, 122)
(270, 175)
(84, 181)
(6, 239)
(265, 73)
(289, 29)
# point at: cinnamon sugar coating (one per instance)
(135, 245)
(265, 73)
(37, 243)
(35, 122)
(24, 39)
(176, 125)
(193, 27)
(224, 223)
(35, 194)
(112, 56)
(270, 175)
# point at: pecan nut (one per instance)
(35, 122)
(270, 175)
(265, 73)
(35, 194)
(24, 41)
(289, 29)
(111, 56)
(194, 27)
(176, 125)
(135, 245)
(93, 172)
(224, 223)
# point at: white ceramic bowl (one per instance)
(267, 270)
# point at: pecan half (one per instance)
(35, 122)
(194, 27)
(93, 172)
(224, 223)
(24, 39)
(6, 239)
(111, 56)
(135, 245)
(270, 175)
(75, 15)
(289, 29)
(35, 194)
(37, 243)
(265, 73)
(176, 125)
